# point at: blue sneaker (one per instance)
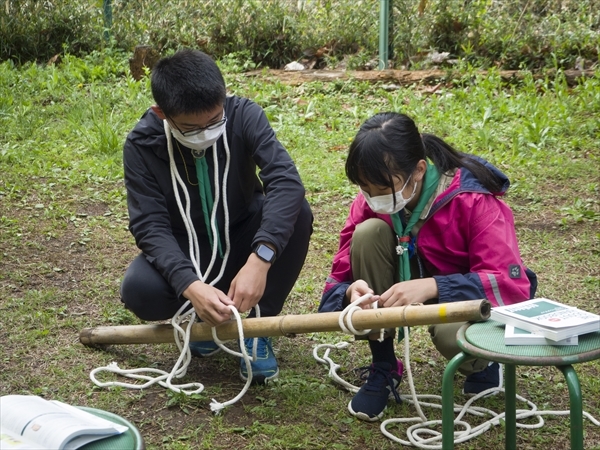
(370, 401)
(264, 369)
(490, 377)
(204, 348)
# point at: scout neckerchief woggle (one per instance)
(405, 242)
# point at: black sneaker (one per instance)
(371, 400)
(488, 378)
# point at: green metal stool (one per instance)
(486, 340)
(129, 440)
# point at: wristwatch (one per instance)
(264, 252)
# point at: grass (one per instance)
(65, 245)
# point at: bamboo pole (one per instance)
(289, 325)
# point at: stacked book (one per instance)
(544, 322)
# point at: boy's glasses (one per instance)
(196, 131)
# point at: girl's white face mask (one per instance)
(201, 140)
(384, 204)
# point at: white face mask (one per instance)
(384, 204)
(201, 140)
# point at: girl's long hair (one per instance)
(389, 144)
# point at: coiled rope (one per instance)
(421, 434)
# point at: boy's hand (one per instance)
(248, 286)
(211, 304)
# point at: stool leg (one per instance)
(510, 405)
(576, 406)
(448, 400)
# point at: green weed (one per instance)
(65, 243)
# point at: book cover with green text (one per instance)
(549, 318)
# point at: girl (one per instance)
(427, 226)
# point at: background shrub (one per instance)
(38, 30)
(271, 33)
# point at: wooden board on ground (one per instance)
(401, 77)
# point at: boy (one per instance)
(210, 229)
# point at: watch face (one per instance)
(265, 253)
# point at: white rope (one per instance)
(421, 434)
(215, 406)
(181, 335)
(345, 319)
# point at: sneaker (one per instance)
(204, 348)
(488, 378)
(370, 401)
(264, 368)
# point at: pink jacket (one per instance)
(467, 243)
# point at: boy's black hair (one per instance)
(389, 144)
(187, 82)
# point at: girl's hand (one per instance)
(408, 292)
(356, 290)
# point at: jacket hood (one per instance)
(149, 133)
(468, 181)
(465, 181)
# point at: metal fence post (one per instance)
(384, 29)
(385, 49)
(107, 12)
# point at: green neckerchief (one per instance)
(207, 199)
(430, 182)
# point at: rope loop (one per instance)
(345, 319)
